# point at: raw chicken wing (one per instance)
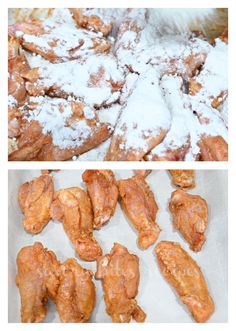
(38, 280)
(138, 202)
(35, 199)
(73, 207)
(185, 276)
(103, 192)
(119, 272)
(76, 294)
(190, 214)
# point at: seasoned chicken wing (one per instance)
(73, 207)
(119, 272)
(190, 214)
(96, 80)
(103, 192)
(76, 293)
(35, 199)
(17, 63)
(38, 280)
(185, 276)
(138, 202)
(58, 129)
(183, 178)
(50, 40)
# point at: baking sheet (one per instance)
(155, 296)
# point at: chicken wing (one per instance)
(103, 192)
(73, 207)
(17, 63)
(50, 40)
(37, 279)
(76, 293)
(119, 272)
(58, 129)
(185, 179)
(96, 80)
(135, 136)
(138, 202)
(35, 199)
(185, 276)
(190, 214)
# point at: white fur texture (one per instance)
(179, 20)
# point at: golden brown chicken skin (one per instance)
(76, 293)
(183, 178)
(103, 192)
(38, 280)
(138, 202)
(190, 217)
(185, 276)
(35, 199)
(213, 149)
(73, 207)
(17, 63)
(119, 272)
(143, 173)
(90, 22)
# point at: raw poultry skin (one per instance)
(119, 272)
(103, 192)
(143, 173)
(190, 217)
(38, 280)
(35, 199)
(41, 277)
(138, 202)
(76, 294)
(183, 178)
(73, 207)
(185, 276)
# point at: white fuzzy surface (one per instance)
(172, 20)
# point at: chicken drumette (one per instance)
(38, 280)
(103, 192)
(35, 199)
(183, 178)
(119, 272)
(73, 207)
(190, 215)
(139, 204)
(185, 276)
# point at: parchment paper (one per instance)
(155, 296)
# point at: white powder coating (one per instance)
(53, 114)
(145, 114)
(62, 39)
(224, 111)
(149, 48)
(74, 78)
(12, 102)
(214, 75)
(185, 123)
(144, 47)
